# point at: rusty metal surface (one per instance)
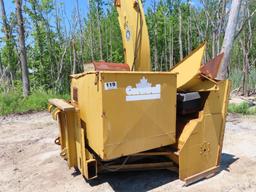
(106, 66)
(117, 3)
(211, 68)
(75, 94)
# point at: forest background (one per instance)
(42, 42)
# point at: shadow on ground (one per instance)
(136, 181)
(147, 180)
(226, 161)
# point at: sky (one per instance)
(83, 5)
(70, 5)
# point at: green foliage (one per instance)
(14, 102)
(163, 25)
(243, 108)
(236, 76)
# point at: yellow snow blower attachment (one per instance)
(124, 117)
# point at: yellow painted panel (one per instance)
(216, 100)
(90, 106)
(134, 124)
(70, 135)
(200, 151)
(197, 84)
(127, 112)
(200, 143)
(134, 35)
(188, 68)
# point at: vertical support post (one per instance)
(226, 92)
(70, 118)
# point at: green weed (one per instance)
(243, 108)
(236, 76)
(14, 102)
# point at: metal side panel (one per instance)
(200, 143)
(189, 68)
(135, 121)
(89, 102)
(67, 120)
(134, 32)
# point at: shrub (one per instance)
(14, 102)
(243, 108)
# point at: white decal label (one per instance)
(143, 91)
(110, 85)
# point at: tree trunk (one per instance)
(246, 40)
(74, 57)
(106, 40)
(7, 32)
(155, 48)
(23, 53)
(155, 37)
(229, 38)
(189, 27)
(91, 41)
(99, 32)
(213, 44)
(221, 23)
(81, 42)
(58, 21)
(180, 34)
(165, 45)
(110, 41)
(245, 68)
(171, 47)
(4, 20)
(34, 4)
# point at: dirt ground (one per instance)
(30, 161)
